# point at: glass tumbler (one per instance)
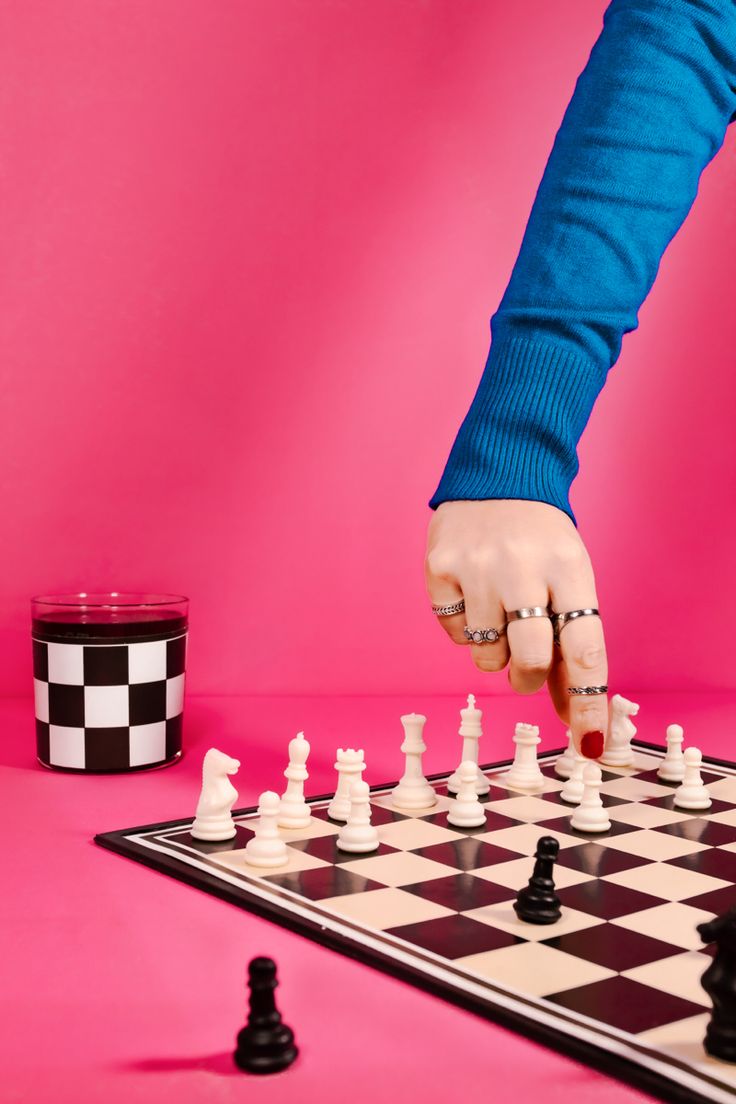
(108, 675)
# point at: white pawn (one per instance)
(672, 767)
(692, 794)
(471, 732)
(358, 834)
(213, 819)
(590, 816)
(349, 765)
(413, 791)
(564, 765)
(524, 773)
(572, 791)
(466, 810)
(294, 811)
(266, 847)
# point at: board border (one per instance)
(590, 1053)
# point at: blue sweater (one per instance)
(648, 113)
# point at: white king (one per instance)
(471, 732)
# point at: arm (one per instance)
(648, 113)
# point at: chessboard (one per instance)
(614, 983)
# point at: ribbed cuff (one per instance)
(519, 438)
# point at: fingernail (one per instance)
(591, 744)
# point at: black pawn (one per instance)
(719, 982)
(538, 903)
(265, 1045)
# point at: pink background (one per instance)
(249, 256)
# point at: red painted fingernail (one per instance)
(591, 744)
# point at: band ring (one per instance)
(449, 610)
(587, 689)
(528, 611)
(559, 620)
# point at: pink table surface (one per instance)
(121, 984)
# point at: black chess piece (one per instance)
(537, 902)
(265, 1044)
(719, 982)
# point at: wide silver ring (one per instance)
(559, 620)
(447, 611)
(483, 636)
(527, 611)
(587, 689)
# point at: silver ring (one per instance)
(447, 611)
(483, 636)
(559, 620)
(587, 689)
(527, 611)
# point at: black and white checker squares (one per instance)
(108, 707)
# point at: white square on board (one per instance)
(66, 746)
(106, 706)
(66, 664)
(174, 696)
(147, 743)
(41, 698)
(147, 661)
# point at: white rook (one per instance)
(349, 765)
(471, 732)
(525, 773)
(413, 791)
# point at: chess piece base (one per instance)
(262, 1050)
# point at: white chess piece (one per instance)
(294, 811)
(672, 767)
(572, 791)
(524, 773)
(213, 819)
(692, 794)
(471, 732)
(266, 847)
(358, 834)
(564, 765)
(466, 810)
(413, 791)
(349, 765)
(590, 815)
(618, 751)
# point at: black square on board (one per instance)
(715, 861)
(461, 892)
(105, 665)
(107, 748)
(716, 901)
(591, 858)
(325, 881)
(325, 848)
(700, 830)
(626, 1004)
(466, 853)
(176, 656)
(562, 824)
(41, 660)
(147, 702)
(42, 741)
(615, 948)
(607, 800)
(668, 802)
(66, 705)
(606, 900)
(455, 936)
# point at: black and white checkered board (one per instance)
(615, 982)
(112, 706)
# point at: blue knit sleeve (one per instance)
(648, 113)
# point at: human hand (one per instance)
(503, 554)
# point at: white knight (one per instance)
(618, 751)
(213, 818)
